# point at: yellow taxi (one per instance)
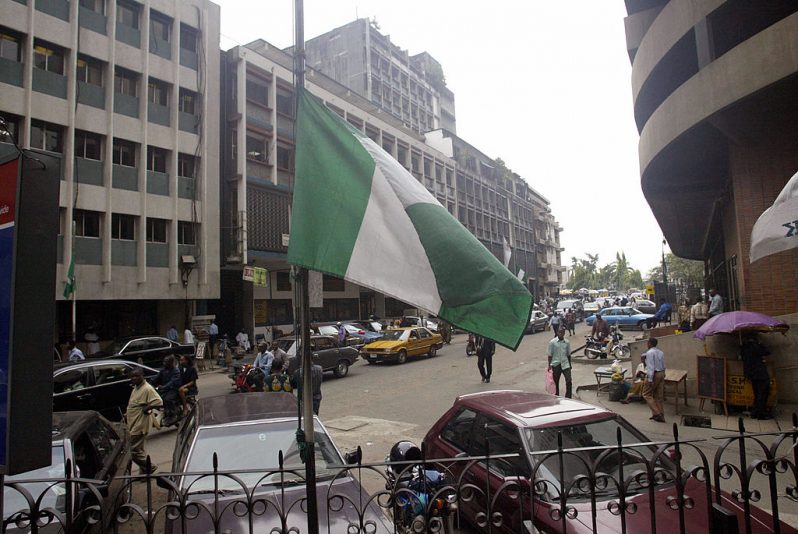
(399, 343)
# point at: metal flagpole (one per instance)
(74, 286)
(304, 306)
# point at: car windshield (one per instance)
(54, 494)
(287, 344)
(117, 347)
(328, 330)
(592, 434)
(252, 446)
(393, 335)
(352, 329)
(375, 326)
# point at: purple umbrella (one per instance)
(739, 321)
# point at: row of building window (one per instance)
(89, 70)
(128, 14)
(88, 223)
(88, 145)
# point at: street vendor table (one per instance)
(602, 373)
(674, 377)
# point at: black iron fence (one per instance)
(640, 487)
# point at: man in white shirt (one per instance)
(92, 339)
(188, 336)
(715, 303)
(75, 354)
(213, 336)
(654, 390)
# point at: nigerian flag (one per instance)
(359, 215)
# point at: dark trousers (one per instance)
(485, 364)
(761, 387)
(558, 370)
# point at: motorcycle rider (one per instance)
(445, 330)
(167, 382)
(188, 381)
(601, 329)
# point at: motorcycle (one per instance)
(471, 346)
(420, 497)
(596, 348)
(248, 380)
(172, 410)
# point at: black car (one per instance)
(331, 356)
(97, 449)
(149, 350)
(101, 385)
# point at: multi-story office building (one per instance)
(127, 93)
(500, 208)
(714, 85)
(257, 175)
(411, 88)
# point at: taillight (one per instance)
(361, 332)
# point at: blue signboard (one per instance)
(8, 202)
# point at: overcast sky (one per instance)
(543, 85)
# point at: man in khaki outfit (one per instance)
(143, 399)
(654, 388)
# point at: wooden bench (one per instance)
(674, 377)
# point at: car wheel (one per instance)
(401, 357)
(341, 369)
(643, 326)
(432, 351)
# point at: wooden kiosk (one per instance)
(721, 379)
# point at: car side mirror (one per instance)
(353, 457)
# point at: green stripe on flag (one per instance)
(331, 191)
(479, 294)
(71, 285)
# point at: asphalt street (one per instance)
(379, 404)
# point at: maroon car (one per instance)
(247, 433)
(520, 424)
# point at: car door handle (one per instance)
(84, 396)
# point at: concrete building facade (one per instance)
(126, 92)
(714, 85)
(411, 88)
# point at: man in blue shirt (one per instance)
(663, 314)
(654, 389)
(171, 334)
(559, 353)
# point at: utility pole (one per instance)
(664, 269)
(304, 303)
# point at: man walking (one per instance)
(654, 390)
(559, 353)
(142, 400)
(171, 334)
(555, 322)
(213, 336)
(316, 378)
(485, 350)
(715, 303)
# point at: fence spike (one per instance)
(741, 425)
(675, 432)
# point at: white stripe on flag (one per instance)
(388, 255)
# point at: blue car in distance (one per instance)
(623, 316)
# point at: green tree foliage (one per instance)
(617, 275)
(681, 272)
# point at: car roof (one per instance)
(67, 425)
(93, 362)
(528, 409)
(224, 409)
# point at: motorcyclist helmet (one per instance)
(338, 323)
(405, 451)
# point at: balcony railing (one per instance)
(598, 487)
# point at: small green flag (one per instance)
(70, 286)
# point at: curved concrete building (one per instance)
(715, 88)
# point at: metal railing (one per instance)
(602, 488)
